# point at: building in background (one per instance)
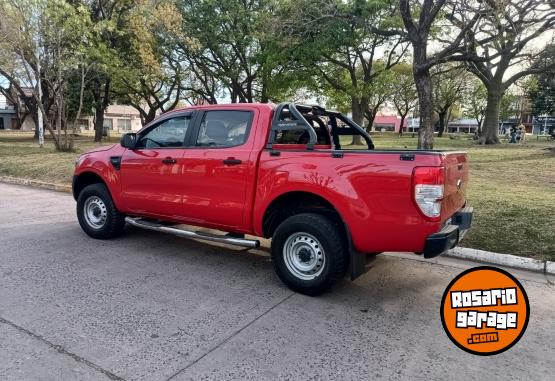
(412, 125)
(543, 125)
(387, 123)
(14, 114)
(118, 118)
(465, 125)
(7, 113)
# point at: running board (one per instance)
(140, 223)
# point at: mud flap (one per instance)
(359, 263)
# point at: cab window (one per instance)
(168, 134)
(227, 128)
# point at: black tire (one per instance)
(110, 221)
(298, 229)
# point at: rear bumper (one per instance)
(438, 243)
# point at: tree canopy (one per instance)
(355, 55)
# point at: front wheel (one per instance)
(309, 253)
(97, 213)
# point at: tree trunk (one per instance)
(36, 122)
(441, 116)
(423, 82)
(98, 124)
(370, 117)
(357, 109)
(264, 90)
(47, 123)
(102, 102)
(80, 108)
(403, 116)
(149, 117)
(491, 120)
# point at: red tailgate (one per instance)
(456, 180)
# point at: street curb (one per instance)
(36, 184)
(508, 260)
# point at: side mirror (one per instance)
(129, 140)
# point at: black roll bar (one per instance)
(300, 123)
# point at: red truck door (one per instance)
(220, 168)
(151, 174)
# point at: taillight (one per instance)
(428, 190)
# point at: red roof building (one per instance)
(388, 123)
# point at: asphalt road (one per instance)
(149, 306)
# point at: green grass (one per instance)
(512, 187)
(20, 156)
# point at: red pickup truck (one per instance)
(281, 172)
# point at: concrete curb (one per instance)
(508, 260)
(36, 184)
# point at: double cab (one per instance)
(287, 172)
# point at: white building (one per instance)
(118, 118)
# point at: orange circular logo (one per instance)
(485, 310)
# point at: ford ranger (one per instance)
(281, 172)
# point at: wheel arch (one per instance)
(286, 205)
(295, 202)
(84, 179)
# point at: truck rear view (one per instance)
(440, 195)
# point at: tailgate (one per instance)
(456, 180)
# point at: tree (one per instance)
(541, 90)
(419, 19)
(334, 41)
(405, 96)
(513, 103)
(42, 43)
(502, 37)
(475, 100)
(230, 48)
(151, 77)
(449, 84)
(380, 90)
(107, 17)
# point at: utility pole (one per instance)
(39, 90)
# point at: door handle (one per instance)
(169, 160)
(232, 161)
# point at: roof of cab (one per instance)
(228, 106)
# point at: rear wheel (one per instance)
(97, 213)
(309, 253)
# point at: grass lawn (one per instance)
(512, 187)
(20, 156)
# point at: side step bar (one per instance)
(139, 222)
